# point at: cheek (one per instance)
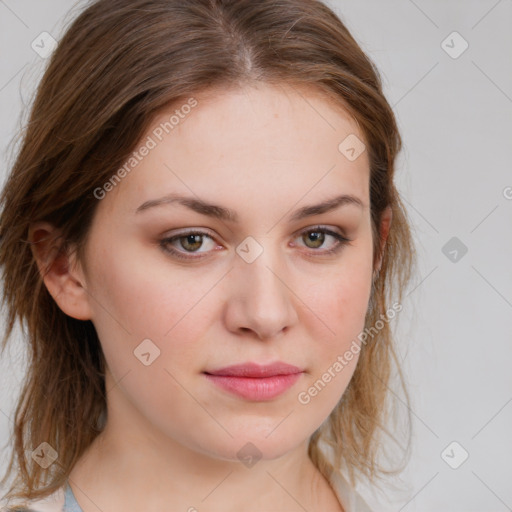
(138, 302)
(340, 294)
(134, 301)
(350, 300)
(342, 308)
(339, 298)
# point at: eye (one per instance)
(314, 238)
(186, 242)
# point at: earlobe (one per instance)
(59, 270)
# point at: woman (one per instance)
(203, 236)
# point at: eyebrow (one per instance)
(226, 214)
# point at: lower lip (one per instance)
(256, 389)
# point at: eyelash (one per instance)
(342, 241)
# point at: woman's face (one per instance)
(262, 279)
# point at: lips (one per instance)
(255, 370)
(255, 382)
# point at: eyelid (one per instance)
(168, 239)
(341, 239)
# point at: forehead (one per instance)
(278, 141)
(255, 113)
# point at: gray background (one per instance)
(455, 115)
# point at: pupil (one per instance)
(317, 238)
(193, 239)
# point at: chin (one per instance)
(250, 447)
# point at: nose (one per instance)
(261, 300)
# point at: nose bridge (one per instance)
(262, 276)
(266, 300)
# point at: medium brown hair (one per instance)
(118, 65)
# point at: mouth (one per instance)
(255, 382)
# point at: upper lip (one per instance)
(256, 370)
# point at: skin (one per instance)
(172, 437)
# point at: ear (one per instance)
(384, 227)
(62, 275)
